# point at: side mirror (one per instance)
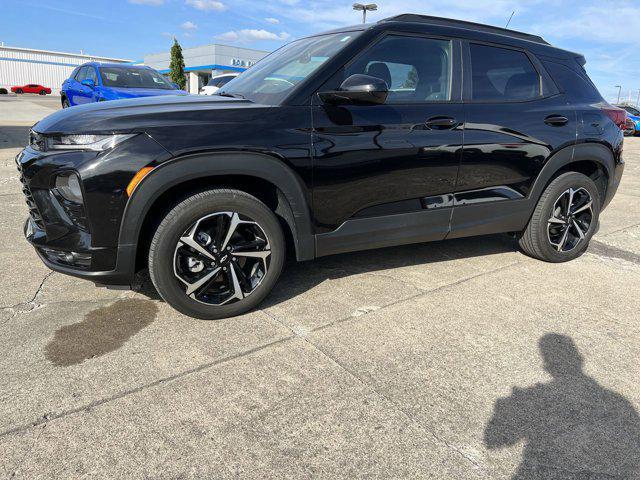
(358, 90)
(87, 82)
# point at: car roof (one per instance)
(106, 64)
(410, 22)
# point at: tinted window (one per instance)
(632, 111)
(91, 74)
(415, 69)
(82, 74)
(573, 83)
(220, 81)
(500, 74)
(124, 77)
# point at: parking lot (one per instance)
(458, 359)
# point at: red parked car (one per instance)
(32, 88)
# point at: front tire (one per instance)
(65, 103)
(19, 91)
(564, 220)
(217, 254)
(43, 92)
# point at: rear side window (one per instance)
(500, 74)
(575, 84)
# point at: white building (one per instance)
(20, 66)
(203, 62)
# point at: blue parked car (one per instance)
(633, 114)
(97, 82)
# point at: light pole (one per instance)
(619, 87)
(638, 100)
(368, 7)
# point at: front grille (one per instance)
(33, 208)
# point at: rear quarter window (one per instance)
(573, 83)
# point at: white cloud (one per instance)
(250, 35)
(272, 20)
(189, 26)
(206, 5)
(153, 3)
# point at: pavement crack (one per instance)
(31, 304)
(161, 381)
(408, 415)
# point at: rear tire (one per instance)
(217, 254)
(564, 220)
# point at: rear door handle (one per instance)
(441, 123)
(556, 120)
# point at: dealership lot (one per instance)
(430, 360)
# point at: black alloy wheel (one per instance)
(564, 220)
(217, 254)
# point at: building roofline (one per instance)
(68, 54)
(210, 45)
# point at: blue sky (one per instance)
(604, 31)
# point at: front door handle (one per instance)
(441, 123)
(556, 120)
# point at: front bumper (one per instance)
(82, 240)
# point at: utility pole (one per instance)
(368, 7)
(619, 87)
(638, 100)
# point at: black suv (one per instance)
(410, 130)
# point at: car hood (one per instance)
(138, 114)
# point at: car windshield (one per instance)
(124, 77)
(273, 78)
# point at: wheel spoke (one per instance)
(263, 254)
(563, 240)
(556, 220)
(586, 206)
(577, 227)
(569, 202)
(235, 221)
(237, 291)
(191, 242)
(193, 287)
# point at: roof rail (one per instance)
(450, 22)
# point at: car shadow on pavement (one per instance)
(300, 277)
(572, 427)
(14, 136)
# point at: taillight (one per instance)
(617, 115)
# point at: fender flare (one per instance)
(258, 165)
(593, 152)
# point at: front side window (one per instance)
(500, 74)
(416, 69)
(274, 77)
(123, 77)
(82, 74)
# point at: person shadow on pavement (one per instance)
(572, 427)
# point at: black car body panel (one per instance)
(345, 177)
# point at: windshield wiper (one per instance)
(231, 95)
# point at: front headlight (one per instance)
(96, 143)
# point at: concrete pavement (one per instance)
(460, 359)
